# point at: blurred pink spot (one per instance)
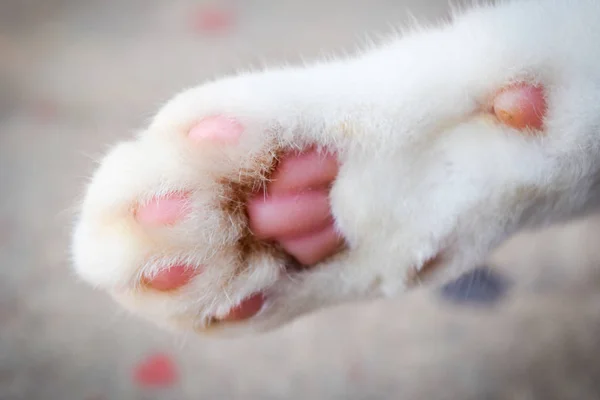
(157, 370)
(212, 20)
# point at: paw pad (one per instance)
(171, 278)
(521, 106)
(163, 210)
(249, 307)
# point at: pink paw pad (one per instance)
(521, 106)
(217, 128)
(171, 278)
(248, 307)
(162, 210)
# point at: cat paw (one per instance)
(165, 226)
(431, 133)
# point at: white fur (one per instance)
(424, 169)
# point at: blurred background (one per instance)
(75, 75)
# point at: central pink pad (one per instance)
(162, 210)
(172, 278)
(271, 218)
(312, 247)
(217, 128)
(298, 172)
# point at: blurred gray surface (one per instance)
(75, 76)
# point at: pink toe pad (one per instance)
(249, 307)
(172, 278)
(162, 210)
(218, 128)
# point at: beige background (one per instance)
(75, 76)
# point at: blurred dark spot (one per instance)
(479, 286)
